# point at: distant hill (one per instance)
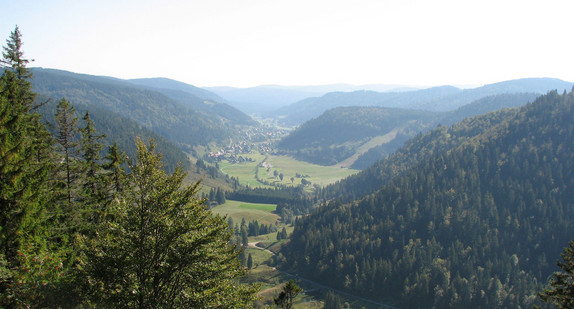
(469, 216)
(195, 98)
(339, 132)
(262, 100)
(182, 124)
(444, 98)
(360, 136)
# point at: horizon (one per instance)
(251, 43)
(391, 86)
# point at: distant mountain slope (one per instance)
(338, 133)
(195, 98)
(471, 216)
(262, 100)
(166, 83)
(445, 98)
(355, 131)
(120, 130)
(183, 125)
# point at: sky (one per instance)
(245, 43)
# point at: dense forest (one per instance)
(469, 216)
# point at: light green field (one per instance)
(244, 171)
(318, 174)
(248, 211)
(289, 167)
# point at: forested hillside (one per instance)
(338, 133)
(472, 216)
(117, 129)
(161, 114)
(196, 98)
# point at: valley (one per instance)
(430, 198)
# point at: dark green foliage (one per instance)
(67, 123)
(285, 298)
(162, 248)
(31, 250)
(466, 216)
(560, 291)
(217, 196)
(332, 301)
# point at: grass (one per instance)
(248, 211)
(288, 166)
(264, 207)
(318, 174)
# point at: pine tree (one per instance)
(560, 292)
(30, 250)
(287, 295)
(94, 191)
(114, 168)
(249, 261)
(67, 122)
(163, 247)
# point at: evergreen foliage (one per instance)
(30, 263)
(287, 295)
(561, 287)
(466, 216)
(163, 248)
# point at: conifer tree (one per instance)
(561, 288)
(67, 122)
(30, 261)
(94, 193)
(287, 295)
(114, 168)
(162, 248)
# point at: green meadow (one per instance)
(248, 211)
(247, 172)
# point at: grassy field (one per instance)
(289, 167)
(248, 211)
(318, 174)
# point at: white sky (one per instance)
(299, 42)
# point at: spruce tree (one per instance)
(560, 292)
(30, 251)
(67, 122)
(94, 191)
(287, 295)
(162, 248)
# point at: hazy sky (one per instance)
(299, 42)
